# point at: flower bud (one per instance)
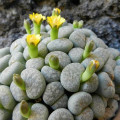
(88, 48)
(25, 109)
(27, 26)
(19, 82)
(90, 70)
(54, 62)
(56, 12)
(80, 24)
(75, 24)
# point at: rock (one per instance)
(54, 95)
(6, 2)
(63, 58)
(71, 77)
(62, 44)
(16, 113)
(36, 63)
(50, 74)
(106, 86)
(91, 85)
(87, 114)
(78, 102)
(76, 54)
(97, 106)
(6, 98)
(4, 51)
(35, 82)
(117, 74)
(38, 112)
(65, 31)
(17, 93)
(6, 76)
(46, 40)
(61, 114)
(102, 17)
(4, 62)
(17, 57)
(78, 39)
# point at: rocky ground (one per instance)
(102, 16)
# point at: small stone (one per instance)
(50, 74)
(61, 114)
(71, 77)
(78, 102)
(78, 39)
(64, 45)
(36, 63)
(63, 58)
(4, 51)
(65, 31)
(34, 81)
(97, 106)
(76, 55)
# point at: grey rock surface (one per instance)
(102, 53)
(114, 52)
(117, 74)
(50, 74)
(4, 114)
(98, 42)
(39, 112)
(78, 102)
(6, 76)
(16, 113)
(113, 106)
(64, 59)
(16, 47)
(65, 31)
(97, 106)
(53, 92)
(118, 62)
(17, 93)
(61, 103)
(108, 69)
(76, 55)
(106, 86)
(4, 51)
(87, 32)
(61, 114)
(87, 114)
(6, 98)
(34, 81)
(91, 85)
(78, 39)
(62, 44)
(111, 63)
(4, 62)
(36, 63)
(71, 77)
(46, 40)
(17, 57)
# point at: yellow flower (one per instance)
(56, 11)
(33, 39)
(38, 18)
(55, 21)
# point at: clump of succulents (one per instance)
(59, 71)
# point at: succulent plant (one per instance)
(59, 71)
